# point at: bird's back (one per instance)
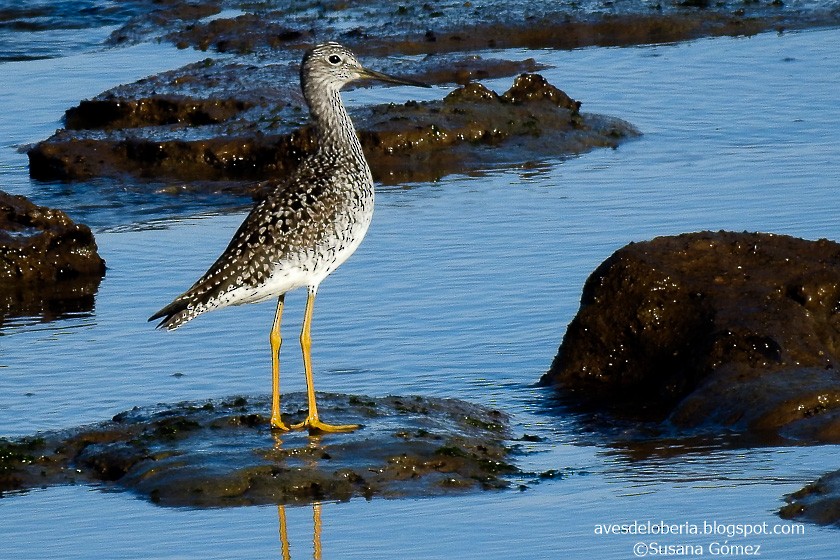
(301, 232)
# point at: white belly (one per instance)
(306, 269)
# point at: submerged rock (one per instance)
(818, 502)
(416, 141)
(709, 332)
(49, 265)
(222, 453)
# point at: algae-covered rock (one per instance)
(43, 245)
(818, 502)
(440, 27)
(239, 141)
(49, 265)
(711, 332)
(222, 453)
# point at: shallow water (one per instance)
(463, 288)
(39, 29)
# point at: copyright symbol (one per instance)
(640, 549)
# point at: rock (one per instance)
(532, 119)
(818, 502)
(424, 28)
(222, 453)
(113, 113)
(43, 245)
(49, 265)
(533, 87)
(706, 332)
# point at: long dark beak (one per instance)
(373, 75)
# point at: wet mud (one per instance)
(222, 453)
(49, 265)
(711, 333)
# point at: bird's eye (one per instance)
(334, 59)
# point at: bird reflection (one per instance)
(316, 532)
(285, 550)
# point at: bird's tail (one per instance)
(175, 314)
(211, 291)
(184, 308)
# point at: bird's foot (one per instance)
(314, 425)
(277, 425)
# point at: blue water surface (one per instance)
(463, 288)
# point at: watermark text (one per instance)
(711, 538)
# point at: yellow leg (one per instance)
(284, 534)
(316, 531)
(312, 422)
(276, 341)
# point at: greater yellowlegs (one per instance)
(304, 229)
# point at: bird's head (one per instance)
(331, 66)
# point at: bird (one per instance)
(304, 229)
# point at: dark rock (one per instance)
(465, 70)
(380, 27)
(244, 158)
(43, 245)
(532, 119)
(49, 265)
(818, 502)
(245, 33)
(532, 87)
(164, 15)
(151, 111)
(709, 332)
(222, 453)
(16, 463)
(472, 92)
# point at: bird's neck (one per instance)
(334, 127)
